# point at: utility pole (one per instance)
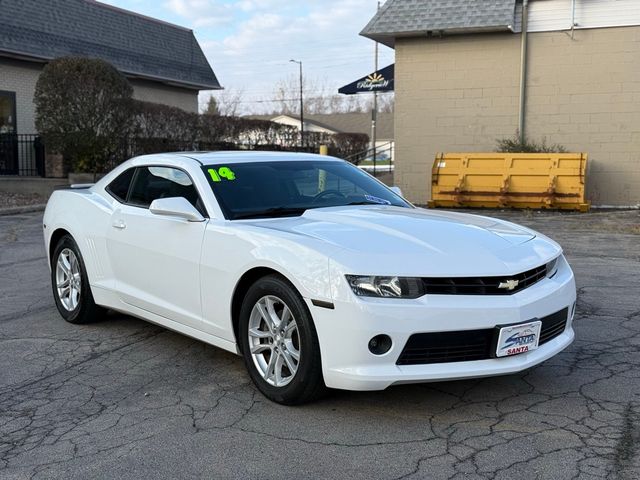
(299, 62)
(374, 112)
(523, 74)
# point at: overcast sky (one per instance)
(249, 42)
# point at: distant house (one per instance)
(163, 62)
(343, 123)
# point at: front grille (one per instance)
(483, 285)
(468, 345)
(553, 325)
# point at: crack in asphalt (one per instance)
(121, 395)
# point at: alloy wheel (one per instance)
(274, 341)
(68, 279)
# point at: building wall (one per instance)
(554, 15)
(21, 78)
(460, 93)
(183, 98)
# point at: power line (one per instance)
(282, 100)
(338, 41)
(312, 60)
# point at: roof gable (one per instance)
(405, 18)
(135, 44)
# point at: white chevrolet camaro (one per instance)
(311, 269)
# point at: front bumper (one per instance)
(345, 331)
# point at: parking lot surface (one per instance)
(129, 400)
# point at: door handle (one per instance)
(119, 224)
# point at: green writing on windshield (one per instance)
(221, 173)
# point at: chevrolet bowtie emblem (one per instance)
(509, 284)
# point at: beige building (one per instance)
(163, 62)
(458, 72)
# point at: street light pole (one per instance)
(374, 112)
(299, 62)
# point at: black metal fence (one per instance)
(22, 155)
(377, 161)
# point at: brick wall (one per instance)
(460, 93)
(21, 78)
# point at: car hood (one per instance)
(403, 239)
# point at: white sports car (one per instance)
(311, 269)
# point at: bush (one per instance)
(352, 146)
(156, 121)
(515, 145)
(85, 110)
(246, 132)
(82, 109)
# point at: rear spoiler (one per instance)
(74, 186)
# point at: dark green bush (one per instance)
(82, 109)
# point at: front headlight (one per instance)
(389, 287)
(552, 267)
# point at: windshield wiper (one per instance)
(271, 212)
(367, 202)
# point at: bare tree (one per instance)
(286, 95)
(319, 97)
(229, 102)
(386, 102)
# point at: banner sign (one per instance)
(380, 81)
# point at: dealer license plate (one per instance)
(516, 339)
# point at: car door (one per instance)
(156, 259)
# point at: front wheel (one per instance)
(70, 283)
(279, 342)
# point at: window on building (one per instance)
(7, 112)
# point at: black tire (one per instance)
(307, 383)
(86, 310)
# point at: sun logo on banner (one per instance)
(374, 81)
(375, 78)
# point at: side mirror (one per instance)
(178, 207)
(396, 190)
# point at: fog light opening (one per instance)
(380, 344)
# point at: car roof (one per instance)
(246, 156)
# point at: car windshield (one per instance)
(289, 188)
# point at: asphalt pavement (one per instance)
(129, 400)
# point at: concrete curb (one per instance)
(23, 209)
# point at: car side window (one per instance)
(120, 186)
(152, 183)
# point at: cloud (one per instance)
(202, 13)
(249, 42)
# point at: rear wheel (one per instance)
(279, 342)
(70, 284)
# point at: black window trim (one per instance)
(135, 176)
(113, 195)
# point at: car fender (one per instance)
(230, 251)
(85, 216)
